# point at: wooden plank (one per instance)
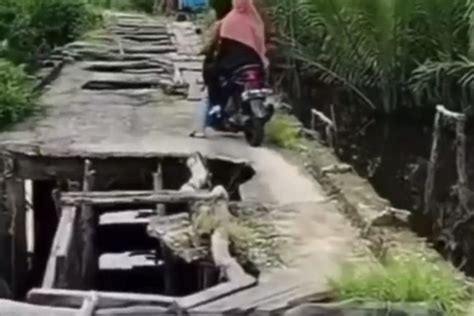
(11, 308)
(16, 204)
(280, 292)
(112, 198)
(60, 248)
(74, 299)
(128, 260)
(135, 217)
(134, 311)
(214, 293)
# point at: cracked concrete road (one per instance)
(146, 121)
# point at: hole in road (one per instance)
(111, 85)
(126, 258)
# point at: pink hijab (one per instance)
(244, 24)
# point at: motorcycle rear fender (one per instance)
(258, 108)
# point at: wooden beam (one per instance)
(16, 204)
(228, 265)
(75, 299)
(88, 225)
(113, 198)
(133, 217)
(12, 308)
(56, 269)
(214, 293)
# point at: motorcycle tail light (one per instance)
(252, 76)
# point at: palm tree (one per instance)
(381, 48)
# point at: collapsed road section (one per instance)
(127, 241)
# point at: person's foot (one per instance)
(196, 134)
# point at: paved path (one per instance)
(146, 121)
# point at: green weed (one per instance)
(282, 133)
(404, 278)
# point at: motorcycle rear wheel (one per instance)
(255, 132)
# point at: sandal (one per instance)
(195, 134)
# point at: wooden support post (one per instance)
(157, 186)
(56, 273)
(46, 220)
(89, 305)
(430, 178)
(89, 264)
(330, 126)
(463, 185)
(16, 203)
(5, 291)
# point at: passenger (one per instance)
(237, 40)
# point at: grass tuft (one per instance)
(404, 278)
(282, 133)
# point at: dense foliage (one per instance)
(29, 29)
(221, 7)
(146, 6)
(16, 93)
(385, 53)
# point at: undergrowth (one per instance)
(29, 30)
(145, 6)
(17, 98)
(404, 277)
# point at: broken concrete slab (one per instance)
(118, 65)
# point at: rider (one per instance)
(239, 40)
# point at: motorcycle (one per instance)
(246, 110)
